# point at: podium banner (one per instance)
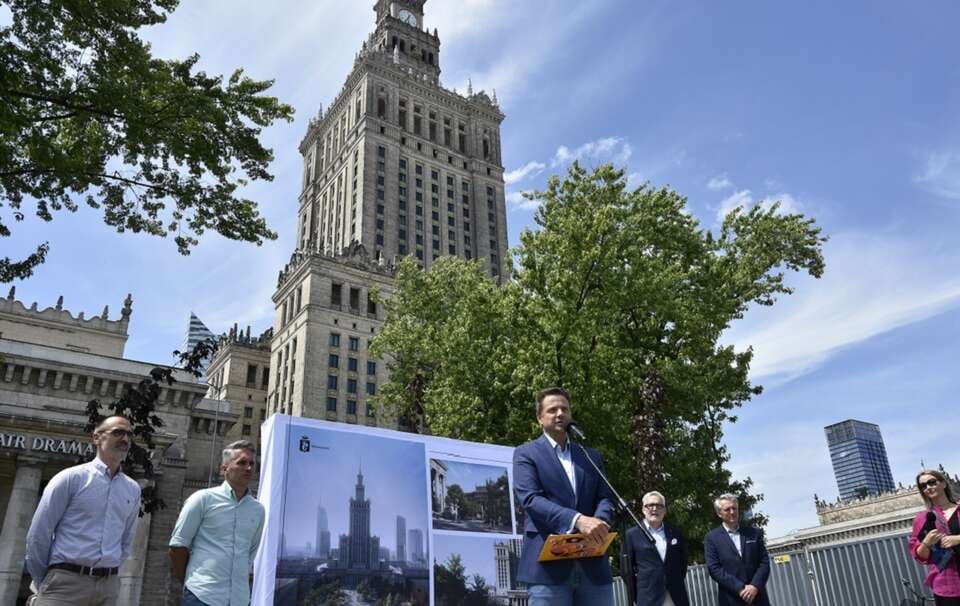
(362, 515)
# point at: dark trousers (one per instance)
(942, 601)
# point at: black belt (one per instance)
(84, 570)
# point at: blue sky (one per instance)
(846, 112)
(328, 475)
(471, 475)
(477, 554)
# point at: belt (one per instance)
(84, 570)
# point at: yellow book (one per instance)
(573, 547)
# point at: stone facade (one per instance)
(51, 364)
(875, 516)
(397, 166)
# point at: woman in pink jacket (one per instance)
(935, 540)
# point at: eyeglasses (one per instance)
(929, 483)
(654, 506)
(119, 432)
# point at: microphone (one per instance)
(574, 432)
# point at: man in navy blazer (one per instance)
(561, 493)
(659, 568)
(736, 557)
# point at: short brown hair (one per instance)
(550, 391)
(940, 476)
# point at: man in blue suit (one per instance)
(736, 557)
(561, 493)
(659, 568)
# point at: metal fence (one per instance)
(865, 573)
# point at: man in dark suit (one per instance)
(561, 493)
(736, 557)
(659, 568)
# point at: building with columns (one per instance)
(52, 363)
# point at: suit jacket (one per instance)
(549, 505)
(654, 577)
(731, 571)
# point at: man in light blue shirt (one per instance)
(84, 526)
(218, 533)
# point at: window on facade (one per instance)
(351, 407)
(371, 388)
(331, 405)
(352, 364)
(334, 361)
(265, 377)
(334, 339)
(417, 124)
(351, 386)
(246, 430)
(335, 294)
(247, 412)
(251, 374)
(381, 108)
(354, 298)
(331, 381)
(371, 367)
(354, 344)
(371, 304)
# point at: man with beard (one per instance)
(83, 528)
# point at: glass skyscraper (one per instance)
(859, 459)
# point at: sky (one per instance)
(470, 476)
(341, 455)
(846, 112)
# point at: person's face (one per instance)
(239, 470)
(931, 487)
(114, 439)
(554, 414)
(729, 513)
(654, 510)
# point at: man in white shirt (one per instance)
(83, 528)
(660, 568)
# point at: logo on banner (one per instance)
(304, 444)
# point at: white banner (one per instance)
(359, 515)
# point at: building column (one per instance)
(16, 522)
(131, 573)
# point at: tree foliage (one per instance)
(87, 113)
(621, 297)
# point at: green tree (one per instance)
(621, 297)
(87, 113)
(450, 581)
(326, 593)
(457, 501)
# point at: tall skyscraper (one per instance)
(415, 544)
(360, 544)
(401, 539)
(197, 331)
(323, 533)
(398, 165)
(859, 459)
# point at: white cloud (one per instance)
(941, 174)
(616, 150)
(744, 198)
(719, 183)
(516, 200)
(873, 283)
(530, 169)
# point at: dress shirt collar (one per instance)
(227, 490)
(554, 444)
(662, 530)
(729, 530)
(101, 467)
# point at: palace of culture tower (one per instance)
(396, 166)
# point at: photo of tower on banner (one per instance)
(362, 515)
